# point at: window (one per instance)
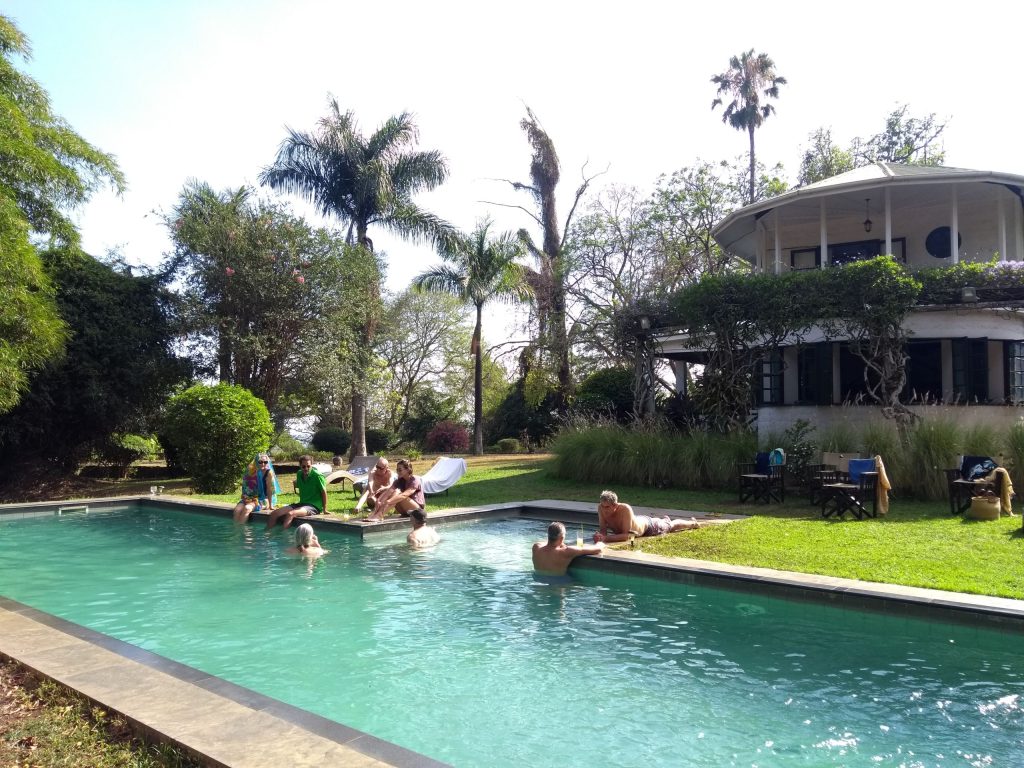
(1014, 351)
(924, 372)
(970, 370)
(814, 374)
(851, 377)
(845, 253)
(770, 390)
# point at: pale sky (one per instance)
(205, 88)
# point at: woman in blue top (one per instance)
(259, 489)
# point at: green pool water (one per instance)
(461, 654)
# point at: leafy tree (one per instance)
(215, 431)
(477, 270)
(333, 439)
(448, 437)
(264, 285)
(419, 344)
(428, 407)
(749, 78)
(867, 302)
(608, 391)
(549, 280)
(46, 169)
(117, 371)
(904, 141)
(363, 181)
(823, 159)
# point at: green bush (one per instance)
(334, 440)
(379, 440)
(934, 446)
(608, 392)
(215, 431)
(1015, 455)
(800, 450)
(287, 448)
(508, 445)
(120, 451)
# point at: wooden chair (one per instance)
(853, 493)
(962, 488)
(762, 481)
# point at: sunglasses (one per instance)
(264, 462)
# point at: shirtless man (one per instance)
(553, 558)
(404, 495)
(379, 480)
(421, 535)
(615, 521)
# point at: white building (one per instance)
(969, 351)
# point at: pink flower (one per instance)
(229, 271)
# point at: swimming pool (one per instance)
(459, 653)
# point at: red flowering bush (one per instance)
(448, 437)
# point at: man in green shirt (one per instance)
(312, 488)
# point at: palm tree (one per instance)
(363, 181)
(476, 270)
(749, 77)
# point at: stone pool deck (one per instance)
(223, 724)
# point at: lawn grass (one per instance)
(919, 544)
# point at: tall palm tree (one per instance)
(476, 270)
(749, 77)
(364, 181)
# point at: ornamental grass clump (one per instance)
(1015, 453)
(934, 446)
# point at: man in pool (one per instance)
(615, 521)
(312, 488)
(553, 558)
(421, 535)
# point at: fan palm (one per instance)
(749, 77)
(476, 270)
(363, 181)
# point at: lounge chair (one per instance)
(443, 475)
(356, 473)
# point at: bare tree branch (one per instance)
(507, 205)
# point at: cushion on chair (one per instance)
(858, 467)
(761, 462)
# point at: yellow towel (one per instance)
(882, 488)
(1005, 499)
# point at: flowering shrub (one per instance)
(448, 437)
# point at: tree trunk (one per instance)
(478, 385)
(358, 394)
(753, 165)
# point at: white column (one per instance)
(1018, 234)
(824, 235)
(778, 245)
(954, 226)
(762, 257)
(1002, 227)
(888, 221)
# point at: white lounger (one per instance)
(443, 475)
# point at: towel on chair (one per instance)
(1005, 498)
(882, 488)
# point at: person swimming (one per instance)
(306, 543)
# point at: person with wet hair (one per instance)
(306, 543)
(421, 535)
(553, 558)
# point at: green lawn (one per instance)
(919, 544)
